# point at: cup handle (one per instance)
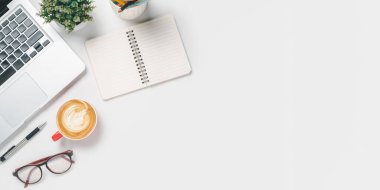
(56, 136)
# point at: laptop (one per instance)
(35, 65)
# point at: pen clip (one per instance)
(35, 131)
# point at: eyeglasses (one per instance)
(57, 164)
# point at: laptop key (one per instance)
(39, 48)
(9, 39)
(1, 70)
(24, 47)
(11, 59)
(31, 31)
(28, 22)
(2, 36)
(3, 55)
(9, 50)
(18, 11)
(15, 33)
(5, 23)
(6, 75)
(17, 53)
(6, 30)
(2, 45)
(38, 35)
(16, 44)
(18, 64)
(21, 28)
(25, 58)
(13, 25)
(10, 18)
(21, 18)
(5, 64)
(34, 53)
(22, 38)
(36, 45)
(47, 42)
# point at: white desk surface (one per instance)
(283, 95)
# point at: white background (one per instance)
(284, 94)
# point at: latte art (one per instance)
(76, 119)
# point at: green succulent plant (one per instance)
(68, 13)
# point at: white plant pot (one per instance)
(78, 27)
(129, 13)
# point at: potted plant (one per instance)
(67, 13)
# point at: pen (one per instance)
(16, 147)
(126, 5)
(119, 3)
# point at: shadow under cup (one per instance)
(76, 120)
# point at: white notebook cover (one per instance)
(158, 43)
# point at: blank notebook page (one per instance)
(162, 50)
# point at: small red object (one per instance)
(56, 136)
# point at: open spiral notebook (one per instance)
(137, 57)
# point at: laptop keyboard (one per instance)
(20, 41)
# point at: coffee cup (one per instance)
(76, 120)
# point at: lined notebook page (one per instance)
(113, 64)
(162, 49)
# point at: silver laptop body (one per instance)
(35, 65)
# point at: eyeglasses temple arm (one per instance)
(40, 160)
(27, 180)
(36, 162)
(69, 160)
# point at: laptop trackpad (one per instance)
(20, 100)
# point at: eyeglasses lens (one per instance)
(59, 164)
(30, 174)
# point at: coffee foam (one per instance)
(76, 119)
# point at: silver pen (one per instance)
(17, 147)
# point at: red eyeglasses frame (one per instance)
(44, 161)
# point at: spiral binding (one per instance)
(137, 57)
